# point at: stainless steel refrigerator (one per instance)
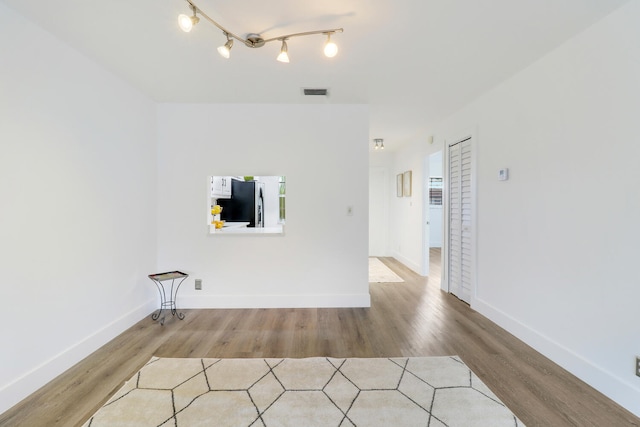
(246, 203)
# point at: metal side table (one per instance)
(168, 301)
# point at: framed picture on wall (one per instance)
(399, 185)
(406, 184)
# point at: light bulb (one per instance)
(225, 50)
(185, 23)
(330, 48)
(283, 56)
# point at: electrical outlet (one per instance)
(198, 284)
(638, 366)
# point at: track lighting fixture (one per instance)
(284, 56)
(225, 50)
(330, 48)
(379, 144)
(186, 23)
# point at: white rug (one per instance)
(380, 273)
(322, 392)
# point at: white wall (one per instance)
(557, 243)
(77, 216)
(321, 149)
(379, 211)
(381, 189)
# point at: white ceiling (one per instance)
(413, 61)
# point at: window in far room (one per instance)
(435, 191)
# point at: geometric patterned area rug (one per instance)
(380, 273)
(310, 392)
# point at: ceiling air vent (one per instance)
(315, 92)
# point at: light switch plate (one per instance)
(503, 174)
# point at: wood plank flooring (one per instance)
(413, 318)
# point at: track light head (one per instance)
(283, 56)
(330, 48)
(186, 22)
(225, 50)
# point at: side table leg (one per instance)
(163, 302)
(174, 296)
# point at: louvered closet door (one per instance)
(460, 210)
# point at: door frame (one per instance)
(426, 223)
(444, 284)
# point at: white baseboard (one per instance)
(13, 392)
(407, 262)
(274, 301)
(618, 390)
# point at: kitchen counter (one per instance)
(228, 225)
(241, 228)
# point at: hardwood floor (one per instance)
(413, 318)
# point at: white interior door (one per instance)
(460, 207)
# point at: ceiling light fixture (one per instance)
(186, 23)
(379, 143)
(330, 48)
(284, 56)
(225, 50)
